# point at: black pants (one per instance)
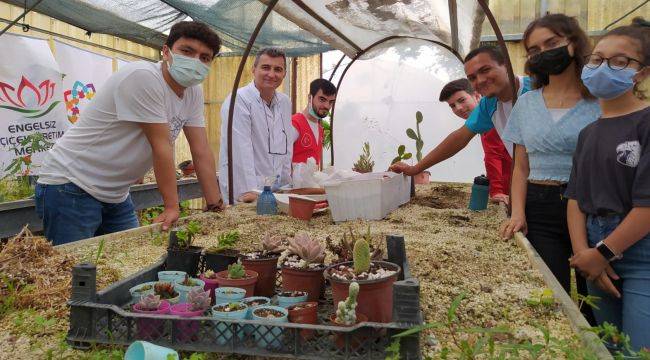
(548, 232)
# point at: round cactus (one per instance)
(361, 256)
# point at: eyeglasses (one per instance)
(268, 128)
(620, 62)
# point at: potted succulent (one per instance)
(185, 286)
(365, 162)
(401, 155)
(167, 292)
(228, 294)
(304, 313)
(344, 248)
(253, 302)
(198, 301)
(347, 315)
(141, 290)
(375, 279)
(238, 276)
(423, 177)
(171, 276)
(150, 329)
(286, 298)
(229, 311)
(181, 255)
(209, 277)
(302, 266)
(269, 336)
(265, 263)
(218, 257)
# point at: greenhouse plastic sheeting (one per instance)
(146, 21)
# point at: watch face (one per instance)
(605, 251)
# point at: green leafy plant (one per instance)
(327, 133)
(236, 271)
(542, 297)
(365, 163)
(345, 246)
(590, 300)
(31, 144)
(147, 216)
(184, 235)
(415, 135)
(401, 155)
(225, 241)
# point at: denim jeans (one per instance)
(70, 214)
(630, 313)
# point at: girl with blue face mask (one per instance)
(609, 188)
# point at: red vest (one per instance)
(306, 146)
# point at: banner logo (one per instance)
(19, 100)
(72, 97)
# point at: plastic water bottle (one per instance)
(480, 193)
(266, 204)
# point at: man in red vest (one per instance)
(309, 143)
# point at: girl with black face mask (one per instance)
(544, 126)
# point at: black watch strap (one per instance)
(606, 252)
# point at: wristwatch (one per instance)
(607, 253)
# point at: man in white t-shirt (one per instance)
(485, 68)
(83, 187)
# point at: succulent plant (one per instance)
(225, 241)
(346, 312)
(150, 302)
(198, 299)
(309, 250)
(344, 247)
(272, 243)
(188, 281)
(236, 271)
(365, 162)
(165, 290)
(209, 274)
(361, 256)
(415, 135)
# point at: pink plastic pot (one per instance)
(185, 329)
(210, 284)
(151, 329)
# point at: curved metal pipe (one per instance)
(337, 67)
(233, 94)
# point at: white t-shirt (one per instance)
(314, 129)
(106, 151)
(557, 114)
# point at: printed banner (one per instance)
(32, 113)
(84, 73)
(121, 63)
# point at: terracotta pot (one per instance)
(247, 283)
(267, 270)
(375, 298)
(311, 281)
(307, 315)
(300, 208)
(356, 337)
(422, 178)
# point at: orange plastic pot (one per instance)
(301, 208)
(247, 283)
(267, 270)
(308, 315)
(375, 299)
(308, 280)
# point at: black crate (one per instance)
(102, 318)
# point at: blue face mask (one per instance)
(187, 71)
(312, 112)
(605, 83)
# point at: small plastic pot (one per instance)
(183, 290)
(151, 329)
(171, 276)
(300, 208)
(228, 294)
(137, 293)
(224, 330)
(185, 329)
(270, 337)
(356, 337)
(247, 283)
(267, 270)
(310, 281)
(219, 261)
(210, 284)
(308, 314)
(142, 350)
(286, 301)
(249, 315)
(186, 260)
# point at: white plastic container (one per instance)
(367, 196)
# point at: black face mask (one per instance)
(550, 62)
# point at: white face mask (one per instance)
(187, 71)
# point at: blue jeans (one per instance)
(630, 313)
(70, 214)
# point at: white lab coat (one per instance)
(256, 127)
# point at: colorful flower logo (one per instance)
(73, 96)
(17, 98)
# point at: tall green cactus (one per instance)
(346, 312)
(361, 256)
(419, 144)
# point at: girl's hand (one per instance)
(604, 282)
(512, 225)
(590, 263)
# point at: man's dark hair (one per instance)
(455, 86)
(273, 52)
(194, 30)
(321, 84)
(493, 51)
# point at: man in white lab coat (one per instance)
(262, 134)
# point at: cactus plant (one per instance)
(309, 250)
(345, 246)
(198, 299)
(361, 256)
(365, 162)
(415, 135)
(346, 312)
(272, 243)
(236, 271)
(150, 302)
(401, 154)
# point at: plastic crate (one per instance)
(103, 318)
(369, 196)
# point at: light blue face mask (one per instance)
(187, 71)
(606, 83)
(312, 112)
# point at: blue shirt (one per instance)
(549, 144)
